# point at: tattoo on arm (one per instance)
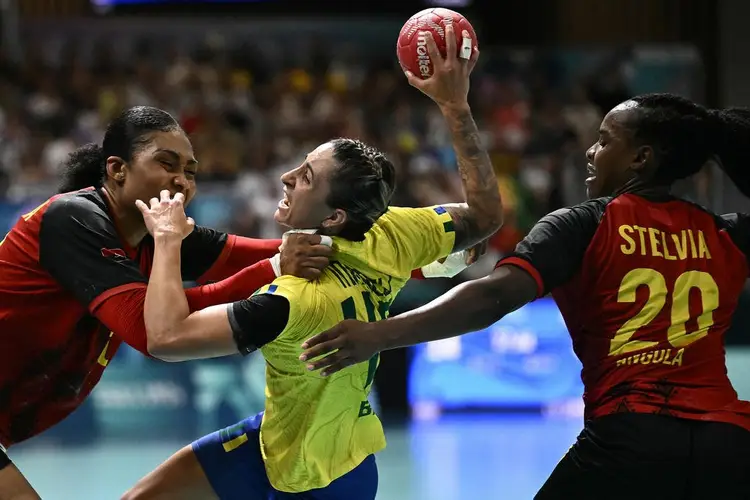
(468, 230)
(481, 215)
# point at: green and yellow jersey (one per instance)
(316, 429)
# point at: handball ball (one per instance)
(411, 48)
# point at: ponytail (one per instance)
(83, 168)
(731, 134)
(686, 136)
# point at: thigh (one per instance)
(618, 454)
(232, 462)
(225, 465)
(180, 477)
(361, 484)
(720, 465)
(13, 486)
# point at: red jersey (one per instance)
(647, 288)
(58, 265)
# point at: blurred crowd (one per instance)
(251, 116)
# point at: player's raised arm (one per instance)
(482, 214)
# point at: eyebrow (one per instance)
(176, 156)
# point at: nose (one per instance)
(287, 178)
(590, 152)
(180, 183)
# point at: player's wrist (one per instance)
(168, 239)
(455, 108)
(394, 336)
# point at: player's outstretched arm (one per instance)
(471, 306)
(482, 214)
(548, 256)
(173, 332)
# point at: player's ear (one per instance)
(334, 222)
(643, 158)
(116, 169)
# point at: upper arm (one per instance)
(738, 228)
(258, 320)
(79, 247)
(553, 250)
(203, 248)
(419, 235)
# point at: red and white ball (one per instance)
(411, 48)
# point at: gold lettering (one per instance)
(653, 357)
(681, 246)
(667, 361)
(654, 242)
(658, 243)
(678, 357)
(667, 255)
(703, 252)
(658, 356)
(692, 244)
(641, 233)
(630, 247)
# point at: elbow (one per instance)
(489, 222)
(495, 220)
(163, 345)
(489, 215)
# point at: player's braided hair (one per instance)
(362, 185)
(686, 135)
(86, 166)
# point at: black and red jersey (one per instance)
(647, 287)
(67, 281)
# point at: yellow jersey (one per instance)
(316, 429)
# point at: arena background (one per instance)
(257, 84)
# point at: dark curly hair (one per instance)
(686, 135)
(362, 185)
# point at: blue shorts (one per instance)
(234, 466)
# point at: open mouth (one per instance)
(284, 203)
(592, 173)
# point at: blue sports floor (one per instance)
(456, 458)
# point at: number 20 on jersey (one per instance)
(658, 291)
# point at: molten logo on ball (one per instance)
(411, 47)
(423, 58)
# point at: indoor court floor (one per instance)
(504, 457)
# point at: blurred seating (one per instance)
(252, 114)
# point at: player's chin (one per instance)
(282, 217)
(593, 189)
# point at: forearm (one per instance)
(203, 334)
(484, 215)
(237, 287)
(469, 307)
(166, 304)
(240, 253)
